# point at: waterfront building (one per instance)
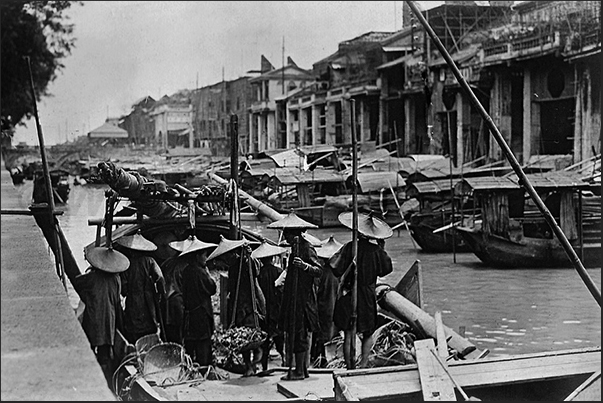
(417, 103)
(173, 118)
(213, 106)
(320, 112)
(534, 67)
(264, 132)
(107, 133)
(139, 124)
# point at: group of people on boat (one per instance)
(301, 305)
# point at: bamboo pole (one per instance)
(49, 191)
(352, 362)
(235, 211)
(523, 180)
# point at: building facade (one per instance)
(173, 121)
(139, 124)
(213, 107)
(265, 133)
(534, 67)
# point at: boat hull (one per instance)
(421, 228)
(528, 377)
(527, 253)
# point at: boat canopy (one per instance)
(288, 178)
(375, 181)
(261, 163)
(468, 186)
(300, 157)
(429, 188)
(545, 181)
(555, 180)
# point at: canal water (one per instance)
(507, 311)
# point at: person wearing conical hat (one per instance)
(143, 286)
(245, 301)
(269, 272)
(173, 307)
(299, 313)
(326, 293)
(197, 288)
(372, 261)
(99, 288)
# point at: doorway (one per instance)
(557, 126)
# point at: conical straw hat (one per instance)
(180, 246)
(266, 250)
(137, 242)
(197, 245)
(369, 226)
(329, 248)
(312, 239)
(107, 259)
(226, 245)
(291, 221)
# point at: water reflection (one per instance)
(511, 311)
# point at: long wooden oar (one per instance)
(456, 384)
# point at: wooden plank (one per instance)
(589, 390)
(435, 384)
(441, 336)
(410, 286)
(320, 385)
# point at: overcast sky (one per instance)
(126, 50)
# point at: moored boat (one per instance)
(432, 225)
(512, 233)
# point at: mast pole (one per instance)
(523, 180)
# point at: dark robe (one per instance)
(174, 303)
(99, 291)
(326, 294)
(372, 262)
(138, 286)
(306, 310)
(273, 295)
(244, 312)
(197, 289)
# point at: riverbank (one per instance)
(45, 354)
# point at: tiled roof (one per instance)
(369, 37)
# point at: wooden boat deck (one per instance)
(520, 376)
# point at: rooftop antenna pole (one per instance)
(523, 180)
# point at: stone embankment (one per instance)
(45, 354)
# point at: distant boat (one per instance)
(432, 225)
(59, 179)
